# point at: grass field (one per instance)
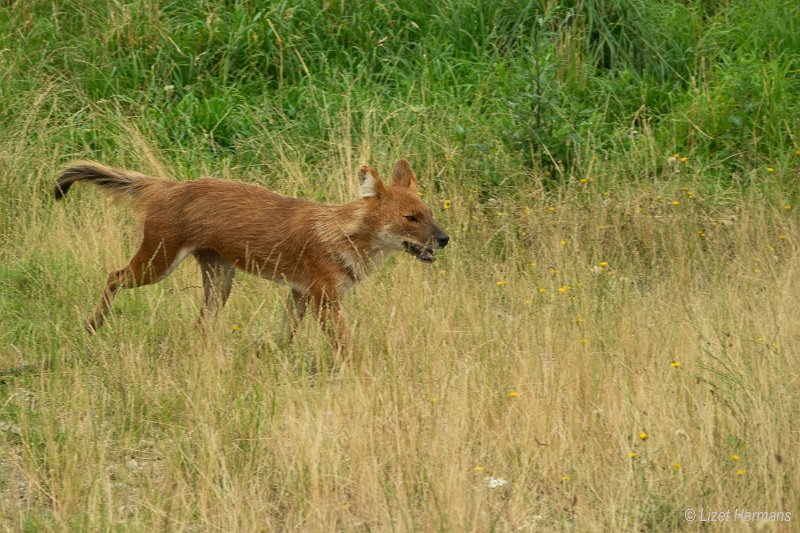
(609, 340)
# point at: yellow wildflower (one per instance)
(513, 394)
(643, 436)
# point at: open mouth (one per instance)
(426, 255)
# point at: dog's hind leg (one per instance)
(152, 263)
(217, 281)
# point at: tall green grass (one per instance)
(524, 84)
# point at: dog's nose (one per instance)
(443, 240)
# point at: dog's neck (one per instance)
(359, 248)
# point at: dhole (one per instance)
(320, 251)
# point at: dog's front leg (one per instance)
(296, 306)
(328, 312)
(339, 332)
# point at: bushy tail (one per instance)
(114, 180)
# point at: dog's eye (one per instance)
(411, 218)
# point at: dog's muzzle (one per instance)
(426, 255)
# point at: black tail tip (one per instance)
(60, 190)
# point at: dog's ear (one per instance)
(371, 184)
(403, 176)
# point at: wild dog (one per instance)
(319, 250)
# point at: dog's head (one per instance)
(405, 222)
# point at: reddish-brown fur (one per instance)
(319, 250)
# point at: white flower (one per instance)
(495, 482)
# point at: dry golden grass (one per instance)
(554, 333)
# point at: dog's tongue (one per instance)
(427, 255)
